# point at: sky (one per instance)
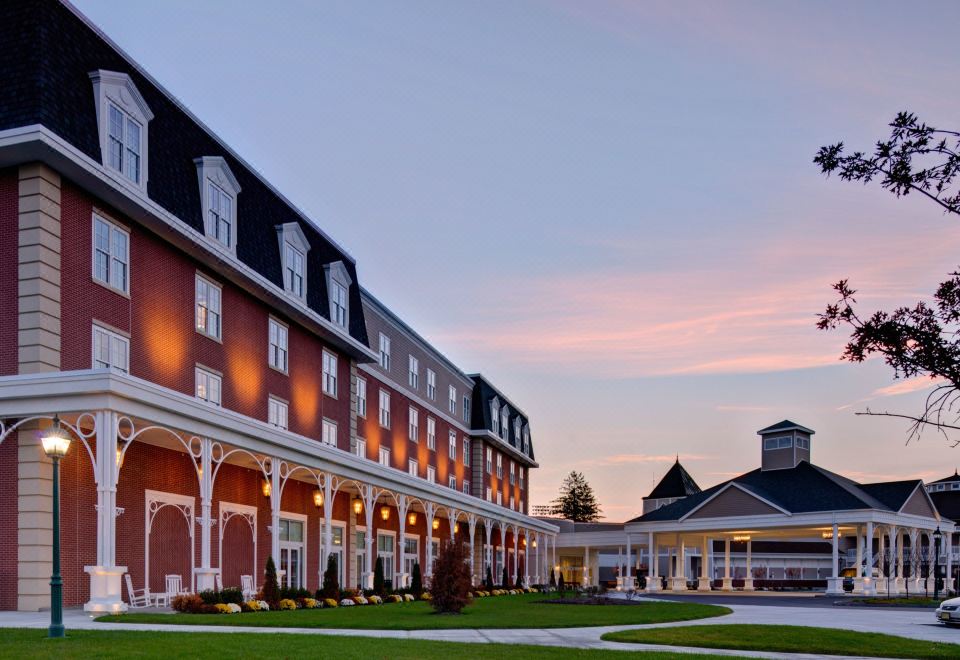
(609, 208)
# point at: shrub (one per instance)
(519, 583)
(347, 602)
(505, 579)
(309, 603)
(450, 589)
(378, 584)
(408, 598)
(561, 587)
(376, 600)
(395, 598)
(331, 585)
(188, 603)
(222, 609)
(488, 582)
(329, 602)
(234, 608)
(416, 580)
(210, 596)
(253, 605)
(553, 580)
(271, 590)
(287, 604)
(231, 595)
(360, 600)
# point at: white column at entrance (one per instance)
(948, 578)
(835, 584)
(898, 535)
(429, 511)
(727, 578)
(703, 583)
(403, 504)
(488, 552)
(858, 576)
(106, 590)
(869, 587)
(472, 528)
(205, 574)
(882, 552)
(653, 573)
(585, 581)
(680, 575)
(516, 554)
(370, 499)
(748, 579)
(328, 528)
(631, 582)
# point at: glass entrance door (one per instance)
(291, 553)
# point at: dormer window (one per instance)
(516, 430)
(218, 197)
(122, 118)
(504, 422)
(293, 255)
(526, 439)
(338, 288)
(495, 416)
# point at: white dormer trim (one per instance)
(214, 169)
(292, 233)
(117, 88)
(336, 272)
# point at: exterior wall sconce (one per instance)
(741, 538)
(385, 512)
(436, 523)
(266, 488)
(357, 505)
(412, 518)
(318, 498)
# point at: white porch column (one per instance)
(275, 514)
(858, 574)
(106, 590)
(472, 528)
(429, 509)
(869, 586)
(898, 535)
(703, 582)
(948, 578)
(403, 504)
(205, 574)
(328, 529)
(748, 579)
(835, 584)
(488, 551)
(631, 582)
(653, 572)
(454, 514)
(585, 580)
(680, 575)
(370, 499)
(727, 578)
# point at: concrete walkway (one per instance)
(917, 625)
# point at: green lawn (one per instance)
(789, 639)
(900, 602)
(83, 644)
(521, 611)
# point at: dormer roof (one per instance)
(677, 482)
(785, 425)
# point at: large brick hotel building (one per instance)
(231, 390)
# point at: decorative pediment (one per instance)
(734, 501)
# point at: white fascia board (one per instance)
(38, 143)
(592, 540)
(83, 391)
(799, 520)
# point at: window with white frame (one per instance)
(411, 553)
(489, 460)
(218, 195)
(294, 270)
(208, 386)
(384, 352)
(466, 408)
(329, 432)
(495, 416)
(466, 452)
(505, 422)
(452, 403)
(499, 498)
(466, 487)
(361, 397)
(513, 476)
(413, 428)
(384, 457)
(452, 445)
(512, 502)
(516, 430)
(360, 447)
(384, 408)
(123, 118)
(452, 481)
(523, 472)
(413, 375)
(277, 352)
(111, 350)
(431, 385)
(338, 286)
(526, 438)
(277, 412)
(125, 153)
(413, 468)
(111, 254)
(385, 546)
(431, 474)
(431, 434)
(329, 374)
(208, 312)
(489, 496)
(499, 466)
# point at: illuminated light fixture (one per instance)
(456, 528)
(412, 518)
(318, 498)
(534, 543)
(120, 445)
(829, 535)
(436, 523)
(55, 440)
(266, 488)
(524, 542)
(357, 505)
(741, 538)
(385, 512)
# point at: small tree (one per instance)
(505, 579)
(576, 500)
(450, 589)
(561, 587)
(271, 590)
(553, 579)
(378, 584)
(331, 582)
(416, 580)
(488, 583)
(519, 583)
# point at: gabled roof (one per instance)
(677, 482)
(947, 503)
(805, 488)
(785, 425)
(954, 477)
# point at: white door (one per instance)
(291, 553)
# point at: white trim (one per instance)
(113, 226)
(187, 506)
(214, 170)
(226, 512)
(114, 87)
(730, 485)
(301, 518)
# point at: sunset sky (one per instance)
(609, 208)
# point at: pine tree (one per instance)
(379, 586)
(271, 590)
(577, 501)
(331, 583)
(416, 580)
(488, 583)
(505, 579)
(561, 587)
(553, 579)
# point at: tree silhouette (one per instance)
(576, 500)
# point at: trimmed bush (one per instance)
(450, 589)
(189, 604)
(331, 584)
(505, 579)
(553, 579)
(416, 580)
(271, 590)
(379, 586)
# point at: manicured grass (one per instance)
(789, 639)
(521, 611)
(899, 602)
(83, 644)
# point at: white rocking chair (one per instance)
(138, 598)
(175, 586)
(247, 587)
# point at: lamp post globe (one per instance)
(56, 443)
(937, 536)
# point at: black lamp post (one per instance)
(56, 442)
(937, 536)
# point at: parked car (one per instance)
(949, 611)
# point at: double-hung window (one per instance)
(277, 353)
(338, 299)
(489, 460)
(452, 442)
(360, 447)
(124, 138)
(413, 376)
(512, 502)
(431, 434)
(499, 498)
(413, 430)
(522, 472)
(384, 409)
(452, 403)
(489, 497)
(294, 270)
(431, 385)
(384, 456)
(513, 476)
(221, 214)
(110, 350)
(516, 430)
(111, 255)
(452, 481)
(329, 374)
(431, 474)
(466, 452)
(413, 468)
(495, 417)
(384, 352)
(466, 408)
(466, 487)
(208, 386)
(208, 312)
(361, 397)
(499, 466)
(504, 423)
(277, 412)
